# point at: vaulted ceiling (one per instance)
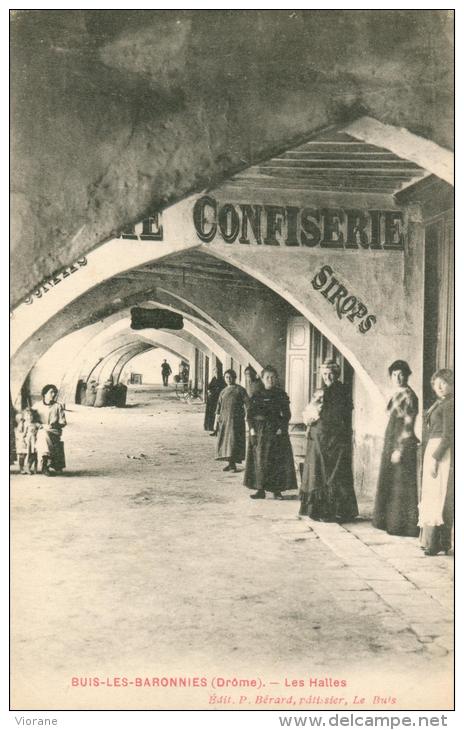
(118, 113)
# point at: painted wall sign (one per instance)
(150, 229)
(346, 304)
(278, 225)
(56, 279)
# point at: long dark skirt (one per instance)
(327, 491)
(50, 444)
(210, 412)
(231, 439)
(269, 463)
(396, 500)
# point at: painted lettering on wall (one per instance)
(346, 304)
(54, 280)
(150, 229)
(278, 225)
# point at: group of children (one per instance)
(38, 432)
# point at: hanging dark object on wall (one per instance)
(155, 319)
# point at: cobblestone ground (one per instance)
(145, 562)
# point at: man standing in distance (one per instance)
(165, 372)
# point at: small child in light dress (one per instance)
(26, 436)
(311, 415)
(312, 412)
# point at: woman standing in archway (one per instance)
(269, 465)
(327, 486)
(215, 386)
(395, 508)
(436, 507)
(230, 422)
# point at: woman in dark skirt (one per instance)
(269, 465)
(215, 385)
(327, 491)
(230, 422)
(395, 508)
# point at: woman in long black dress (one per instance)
(327, 485)
(230, 422)
(269, 465)
(215, 385)
(395, 508)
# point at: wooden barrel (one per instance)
(81, 391)
(90, 393)
(120, 395)
(104, 396)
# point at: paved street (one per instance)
(145, 561)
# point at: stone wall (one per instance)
(118, 113)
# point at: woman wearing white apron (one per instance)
(437, 496)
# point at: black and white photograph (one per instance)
(232, 360)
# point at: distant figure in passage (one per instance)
(395, 508)
(52, 420)
(252, 383)
(327, 485)
(269, 465)
(215, 385)
(184, 371)
(436, 507)
(165, 372)
(230, 422)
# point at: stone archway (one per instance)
(83, 348)
(90, 311)
(287, 272)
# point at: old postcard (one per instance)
(232, 356)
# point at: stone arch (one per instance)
(122, 361)
(204, 327)
(271, 283)
(116, 256)
(126, 344)
(197, 333)
(312, 317)
(192, 336)
(252, 269)
(117, 330)
(104, 367)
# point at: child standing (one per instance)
(26, 436)
(313, 410)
